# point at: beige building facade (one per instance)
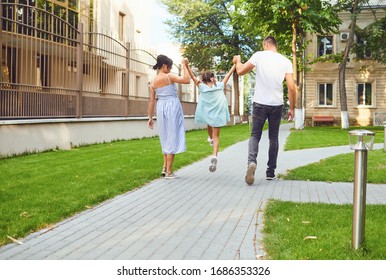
(365, 77)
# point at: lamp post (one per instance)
(361, 141)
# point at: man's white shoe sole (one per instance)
(250, 177)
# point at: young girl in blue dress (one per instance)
(212, 108)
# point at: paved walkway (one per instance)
(200, 215)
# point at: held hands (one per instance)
(185, 62)
(236, 59)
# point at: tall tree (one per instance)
(210, 34)
(372, 40)
(354, 5)
(289, 21)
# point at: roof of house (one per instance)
(377, 2)
(368, 3)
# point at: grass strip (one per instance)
(326, 136)
(313, 231)
(340, 168)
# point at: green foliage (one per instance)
(372, 41)
(208, 30)
(334, 58)
(217, 28)
(276, 18)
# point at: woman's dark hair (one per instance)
(161, 60)
(207, 77)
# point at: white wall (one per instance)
(136, 27)
(17, 137)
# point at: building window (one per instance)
(325, 94)
(325, 45)
(363, 49)
(364, 94)
(72, 4)
(121, 26)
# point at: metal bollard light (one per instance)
(361, 141)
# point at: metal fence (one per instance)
(52, 69)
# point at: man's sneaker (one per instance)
(210, 140)
(170, 176)
(163, 173)
(270, 175)
(250, 177)
(213, 164)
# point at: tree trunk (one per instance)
(299, 120)
(343, 96)
(236, 109)
(342, 69)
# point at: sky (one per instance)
(157, 15)
(159, 38)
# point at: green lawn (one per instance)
(310, 231)
(340, 168)
(325, 136)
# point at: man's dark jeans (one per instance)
(260, 114)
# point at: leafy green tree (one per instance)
(212, 31)
(210, 34)
(289, 21)
(372, 40)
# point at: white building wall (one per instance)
(43, 135)
(136, 27)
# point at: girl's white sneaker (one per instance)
(210, 140)
(213, 164)
(170, 176)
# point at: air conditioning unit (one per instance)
(344, 36)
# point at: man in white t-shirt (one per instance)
(271, 70)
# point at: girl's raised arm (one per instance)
(229, 74)
(184, 79)
(195, 80)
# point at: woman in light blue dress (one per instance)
(170, 117)
(212, 107)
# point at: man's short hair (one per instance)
(270, 40)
